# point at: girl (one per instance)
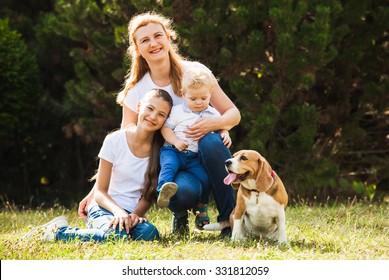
(122, 196)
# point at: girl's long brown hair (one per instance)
(139, 66)
(153, 168)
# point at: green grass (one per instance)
(349, 231)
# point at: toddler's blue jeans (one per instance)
(173, 161)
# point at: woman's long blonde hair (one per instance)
(139, 66)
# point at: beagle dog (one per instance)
(261, 199)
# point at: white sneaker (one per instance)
(47, 231)
(165, 194)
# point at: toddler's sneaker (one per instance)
(167, 191)
(47, 231)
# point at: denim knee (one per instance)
(213, 154)
(188, 193)
(209, 140)
(145, 231)
(212, 145)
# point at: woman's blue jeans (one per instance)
(97, 222)
(213, 153)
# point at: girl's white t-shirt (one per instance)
(128, 171)
(146, 84)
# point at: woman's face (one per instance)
(152, 43)
(152, 113)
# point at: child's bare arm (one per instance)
(225, 135)
(172, 138)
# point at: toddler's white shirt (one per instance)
(181, 117)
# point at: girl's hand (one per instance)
(226, 138)
(82, 207)
(135, 219)
(201, 127)
(121, 219)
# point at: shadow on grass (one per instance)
(294, 245)
(319, 247)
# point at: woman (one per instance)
(121, 197)
(157, 64)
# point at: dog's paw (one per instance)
(283, 245)
(281, 238)
(213, 227)
(238, 238)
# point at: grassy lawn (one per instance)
(349, 231)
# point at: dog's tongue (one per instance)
(230, 178)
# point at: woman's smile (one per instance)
(155, 51)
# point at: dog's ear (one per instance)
(264, 180)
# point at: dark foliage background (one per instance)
(310, 79)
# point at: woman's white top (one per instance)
(146, 84)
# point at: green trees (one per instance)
(310, 79)
(306, 76)
(19, 106)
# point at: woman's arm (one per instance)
(230, 115)
(129, 117)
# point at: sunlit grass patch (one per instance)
(354, 230)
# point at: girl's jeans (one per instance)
(97, 221)
(213, 154)
(172, 160)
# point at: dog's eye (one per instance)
(243, 158)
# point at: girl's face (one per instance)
(152, 43)
(152, 113)
(197, 99)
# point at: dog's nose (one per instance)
(228, 162)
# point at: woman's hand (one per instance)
(201, 127)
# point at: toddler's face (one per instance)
(197, 99)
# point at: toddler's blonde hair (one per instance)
(195, 78)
